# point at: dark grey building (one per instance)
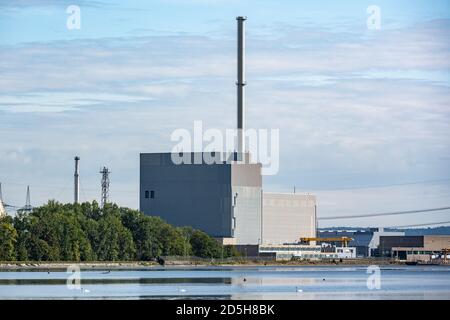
(425, 248)
(224, 199)
(389, 242)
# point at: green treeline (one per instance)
(85, 232)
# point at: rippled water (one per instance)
(330, 282)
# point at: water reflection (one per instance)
(330, 282)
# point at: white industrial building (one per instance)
(287, 217)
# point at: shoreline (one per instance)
(133, 265)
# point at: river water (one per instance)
(287, 282)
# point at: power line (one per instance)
(46, 186)
(383, 214)
(384, 185)
(69, 184)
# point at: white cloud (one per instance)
(63, 101)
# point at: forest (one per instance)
(86, 232)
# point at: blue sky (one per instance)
(363, 114)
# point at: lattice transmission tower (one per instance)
(28, 207)
(105, 186)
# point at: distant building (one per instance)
(287, 217)
(346, 252)
(289, 251)
(306, 252)
(414, 247)
(375, 241)
(366, 241)
(361, 239)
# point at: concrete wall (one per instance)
(246, 183)
(288, 217)
(187, 194)
(435, 243)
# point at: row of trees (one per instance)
(85, 232)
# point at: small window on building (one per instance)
(146, 194)
(152, 194)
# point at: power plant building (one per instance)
(224, 199)
(287, 217)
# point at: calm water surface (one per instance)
(330, 282)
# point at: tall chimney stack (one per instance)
(240, 85)
(76, 182)
(28, 200)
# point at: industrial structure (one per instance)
(365, 240)
(222, 199)
(424, 248)
(305, 252)
(288, 217)
(240, 85)
(2, 208)
(28, 206)
(76, 178)
(225, 199)
(289, 251)
(105, 186)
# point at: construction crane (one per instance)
(344, 240)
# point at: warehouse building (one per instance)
(414, 248)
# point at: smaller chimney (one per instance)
(240, 85)
(76, 182)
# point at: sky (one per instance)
(363, 113)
